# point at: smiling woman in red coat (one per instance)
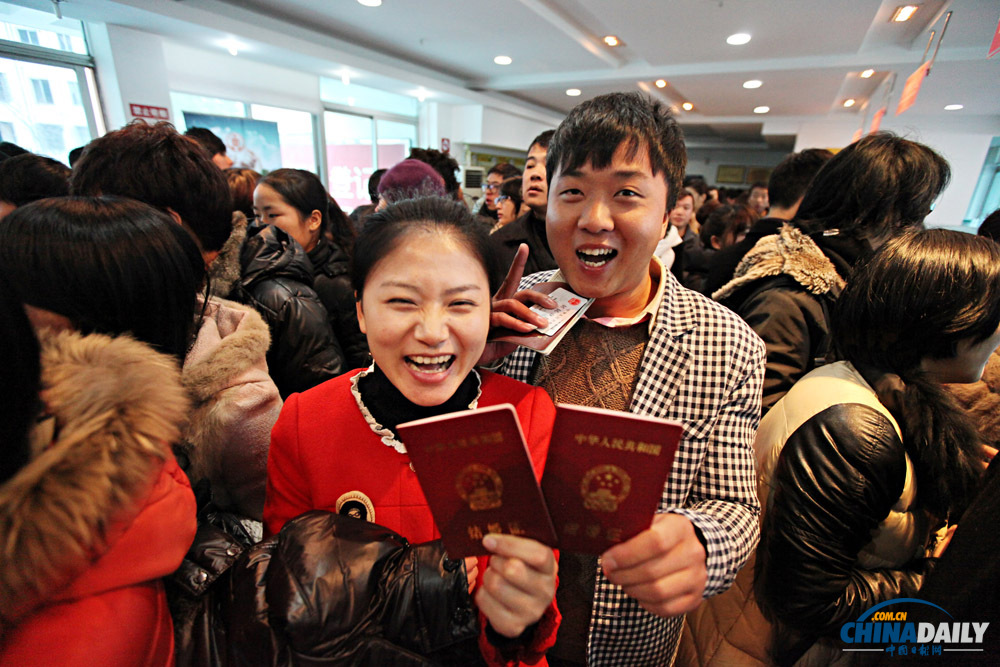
(422, 274)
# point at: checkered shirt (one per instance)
(704, 367)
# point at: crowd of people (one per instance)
(208, 367)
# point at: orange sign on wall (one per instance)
(995, 44)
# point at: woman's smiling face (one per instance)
(426, 311)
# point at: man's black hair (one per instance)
(791, 178)
(542, 140)
(595, 129)
(505, 170)
(28, 177)
(206, 139)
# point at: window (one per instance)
(349, 157)
(65, 42)
(7, 132)
(28, 36)
(51, 137)
(43, 92)
(37, 111)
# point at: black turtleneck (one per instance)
(390, 408)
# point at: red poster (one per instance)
(912, 87)
(995, 44)
(858, 133)
(877, 120)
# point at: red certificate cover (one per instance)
(604, 475)
(475, 471)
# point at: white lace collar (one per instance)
(385, 434)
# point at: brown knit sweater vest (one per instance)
(594, 365)
(597, 366)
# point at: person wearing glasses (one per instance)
(508, 202)
(498, 173)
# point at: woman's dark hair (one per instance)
(242, 183)
(305, 193)
(512, 188)
(505, 170)
(109, 265)
(726, 221)
(917, 297)
(386, 229)
(27, 177)
(21, 380)
(875, 187)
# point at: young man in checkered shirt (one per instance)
(648, 346)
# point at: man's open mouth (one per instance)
(596, 257)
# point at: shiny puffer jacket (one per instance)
(332, 282)
(843, 528)
(331, 589)
(276, 279)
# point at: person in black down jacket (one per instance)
(864, 459)
(785, 286)
(276, 279)
(301, 206)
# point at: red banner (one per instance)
(877, 120)
(912, 87)
(995, 44)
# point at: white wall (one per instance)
(706, 161)
(216, 74)
(131, 69)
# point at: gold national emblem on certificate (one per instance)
(604, 487)
(480, 486)
(356, 505)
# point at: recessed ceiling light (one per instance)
(421, 94)
(867, 74)
(753, 83)
(904, 13)
(503, 60)
(370, 3)
(233, 50)
(661, 83)
(611, 40)
(687, 106)
(761, 109)
(849, 102)
(345, 79)
(738, 39)
(954, 107)
(573, 92)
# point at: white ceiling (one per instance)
(807, 53)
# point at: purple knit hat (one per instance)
(411, 178)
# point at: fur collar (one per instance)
(225, 270)
(791, 253)
(116, 405)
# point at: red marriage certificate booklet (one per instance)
(605, 473)
(476, 474)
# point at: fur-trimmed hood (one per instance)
(790, 252)
(234, 405)
(113, 406)
(225, 270)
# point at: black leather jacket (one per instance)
(276, 279)
(332, 282)
(838, 476)
(328, 589)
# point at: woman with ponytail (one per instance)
(314, 219)
(866, 458)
